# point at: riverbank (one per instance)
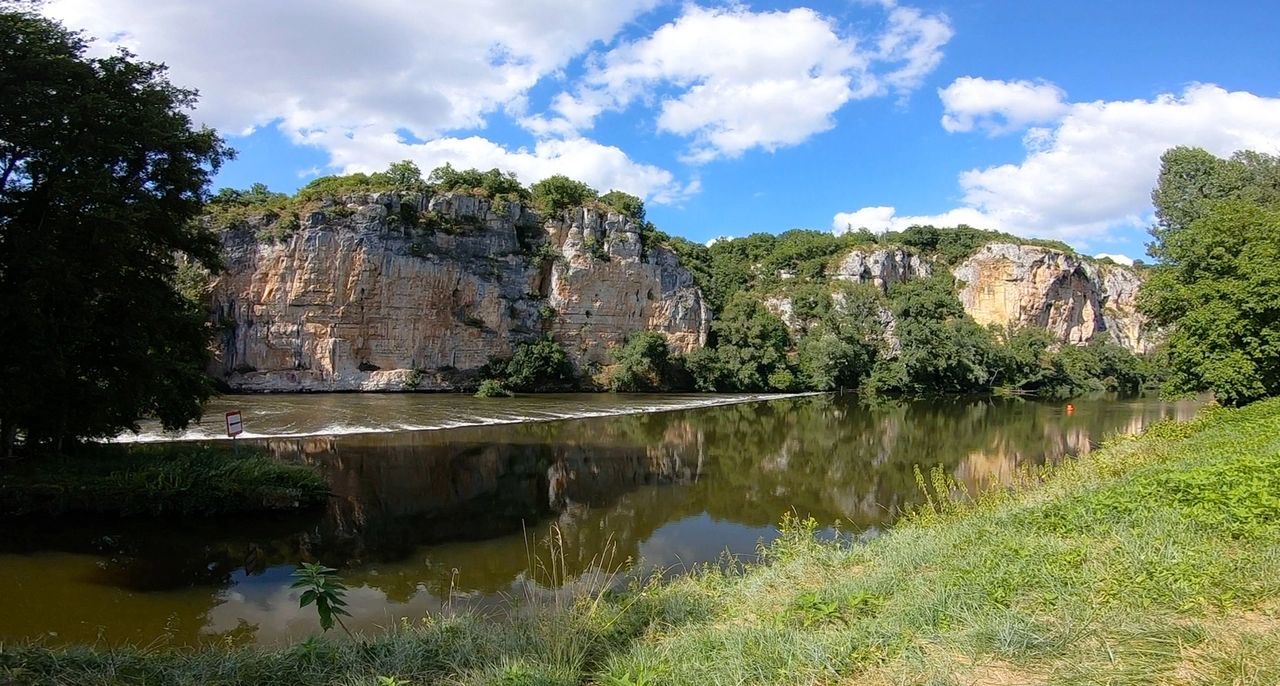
(156, 480)
(1154, 560)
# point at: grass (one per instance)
(174, 479)
(1153, 561)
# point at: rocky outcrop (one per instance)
(1074, 298)
(386, 292)
(882, 268)
(1009, 284)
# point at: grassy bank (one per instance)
(170, 479)
(1154, 560)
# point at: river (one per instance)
(445, 501)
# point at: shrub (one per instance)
(643, 364)
(537, 366)
(492, 388)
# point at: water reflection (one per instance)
(419, 520)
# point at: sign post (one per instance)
(235, 427)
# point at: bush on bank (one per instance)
(1153, 560)
(170, 479)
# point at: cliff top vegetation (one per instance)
(724, 266)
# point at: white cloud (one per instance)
(999, 106)
(914, 40)
(1118, 259)
(737, 79)
(881, 219)
(346, 76)
(428, 66)
(1092, 169)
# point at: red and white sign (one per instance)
(235, 427)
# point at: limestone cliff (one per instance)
(883, 268)
(1004, 283)
(388, 292)
(1074, 298)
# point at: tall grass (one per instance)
(1153, 561)
(172, 479)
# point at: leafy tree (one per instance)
(558, 193)
(1023, 357)
(1217, 285)
(841, 351)
(625, 204)
(752, 345)
(404, 175)
(494, 183)
(942, 349)
(101, 176)
(643, 364)
(1118, 369)
(1074, 370)
(540, 365)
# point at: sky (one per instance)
(1043, 119)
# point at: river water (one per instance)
(445, 501)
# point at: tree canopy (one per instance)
(1217, 283)
(101, 176)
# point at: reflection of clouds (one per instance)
(271, 606)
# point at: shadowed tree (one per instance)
(101, 177)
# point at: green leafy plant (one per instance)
(492, 388)
(323, 588)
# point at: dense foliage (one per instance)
(1217, 283)
(557, 193)
(540, 365)
(101, 175)
(644, 363)
(840, 340)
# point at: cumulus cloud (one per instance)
(999, 106)
(737, 79)
(881, 219)
(1091, 170)
(348, 76)
(1118, 259)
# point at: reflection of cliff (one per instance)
(419, 515)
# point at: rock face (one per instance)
(883, 268)
(359, 298)
(1077, 300)
(1005, 283)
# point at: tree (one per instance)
(626, 204)
(751, 348)
(494, 183)
(404, 175)
(1217, 285)
(101, 176)
(540, 365)
(555, 194)
(643, 364)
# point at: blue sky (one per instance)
(1039, 118)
